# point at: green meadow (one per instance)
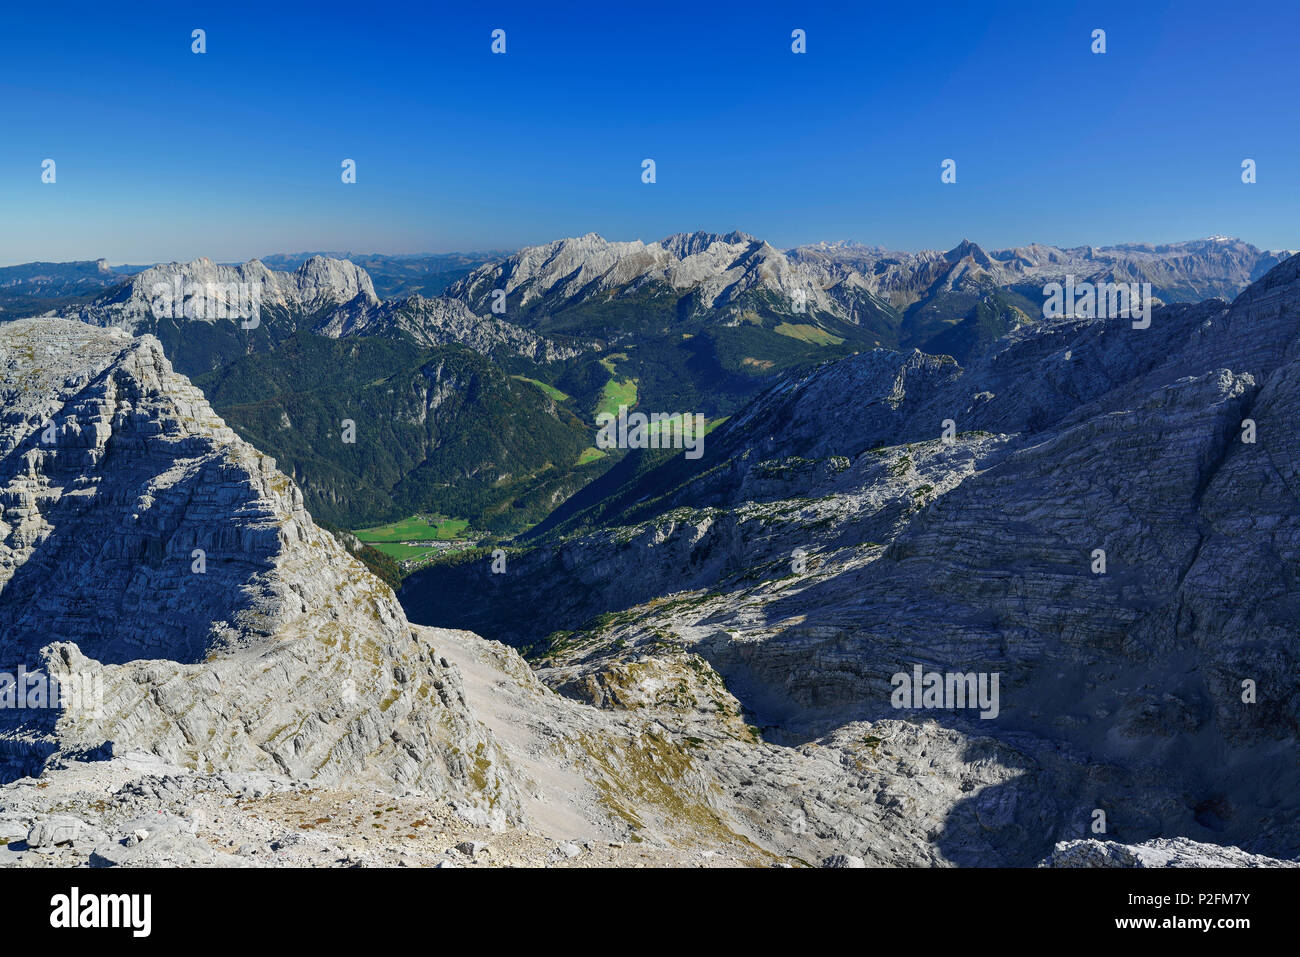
(417, 528)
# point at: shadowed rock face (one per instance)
(1124, 691)
(149, 552)
(115, 472)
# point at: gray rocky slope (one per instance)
(276, 680)
(441, 321)
(1161, 852)
(830, 538)
(148, 551)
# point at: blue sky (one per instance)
(163, 154)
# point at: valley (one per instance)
(419, 539)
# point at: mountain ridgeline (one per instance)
(535, 343)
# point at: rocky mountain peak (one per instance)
(965, 249)
(320, 281)
(319, 284)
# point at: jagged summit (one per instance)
(965, 249)
(682, 245)
(719, 269)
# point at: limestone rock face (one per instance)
(150, 555)
(1161, 852)
(719, 269)
(318, 286)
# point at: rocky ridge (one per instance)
(1184, 272)
(149, 552)
(719, 270)
(444, 321)
(317, 285)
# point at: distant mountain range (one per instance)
(723, 267)
(846, 281)
(35, 288)
(764, 310)
(1218, 267)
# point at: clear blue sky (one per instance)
(163, 154)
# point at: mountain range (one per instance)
(696, 322)
(698, 656)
